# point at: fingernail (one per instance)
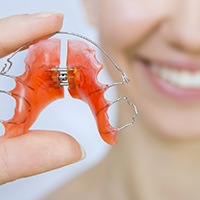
(47, 14)
(83, 153)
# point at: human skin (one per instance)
(37, 151)
(158, 157)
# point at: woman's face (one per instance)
(157, 43)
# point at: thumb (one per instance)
(36, 152)
(17, 30)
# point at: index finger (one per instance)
(17, 30)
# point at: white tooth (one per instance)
(173, 77)
(182, 79)
(185, 79)
(196, 79)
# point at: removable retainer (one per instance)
(44, 79)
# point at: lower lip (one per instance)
(167, 88)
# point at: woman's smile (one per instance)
(177, 79)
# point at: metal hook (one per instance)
(8, 65)
(133, 106)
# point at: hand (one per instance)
(36, 151)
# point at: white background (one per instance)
(68, 115)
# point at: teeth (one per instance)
(180, 78)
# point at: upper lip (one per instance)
(183, 63)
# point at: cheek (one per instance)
(113, 25)
(125, 23)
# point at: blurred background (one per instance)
(68, 115)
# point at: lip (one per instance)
(166, 88)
